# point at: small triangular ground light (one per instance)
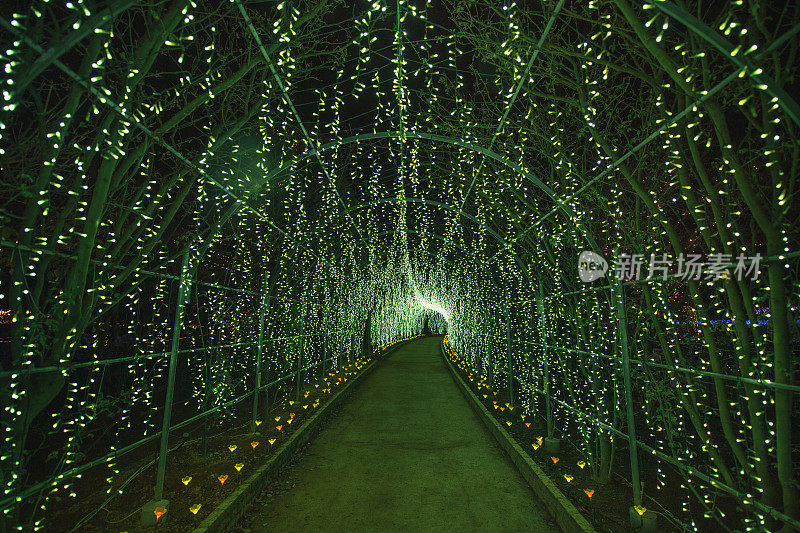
(581, 464)
(194, 508)
(279, 427)
(289, 420)
(589, 492)
(159, 512)
(291, 415)
(232, 447)
(238, 466)
(305, 407)
(186, 480)
(315, 405)
(535, 445)
(222, 478)
(277, 419)
(568, 477)
(271, 441)
(258, 422)
(555, 459)
(528, 424)
(254, 444)
(639, 509)
(508, 422)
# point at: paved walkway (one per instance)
(406, 453)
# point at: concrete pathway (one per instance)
(406, 453)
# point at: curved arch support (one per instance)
(469, 217)
(443, 139)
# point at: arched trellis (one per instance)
(415, 232)
(51, 57)
(239, 203)
(730, 56)
(692, 23)
(108, 14)
(453, 209)
(532, 178)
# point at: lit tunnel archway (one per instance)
(222, 195)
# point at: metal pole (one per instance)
(300, 351)
(543, 334)
(265, 297)
(183, 295)
(626, 375)
(324, 341)
(489, 348)
(272, 286)
(508, 354)
(484, 340)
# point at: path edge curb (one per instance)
(562, 510)
(233, 507)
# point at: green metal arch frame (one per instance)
(443, 139)
(447, 207)
(408, 232)
(664, 6)
(673, 11)
(417, 232)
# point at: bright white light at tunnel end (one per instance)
(424, 303)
